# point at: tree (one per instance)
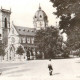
(49, 42)
(28, 54)
(69, 13)
(2, 51)
(20, 51)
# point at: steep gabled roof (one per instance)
(25, 31)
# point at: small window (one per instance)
(32, 40)
(24, 40)
(24, 30)
(19, 29)
(0, 35)
(28, 30)
(28, 40)
(40, 16)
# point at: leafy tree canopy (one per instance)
(20, 50)
(49, 41)
(69, 13)
(66, 7)
(2, 51)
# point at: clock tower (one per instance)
(40, 19)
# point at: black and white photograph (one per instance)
(39, 39)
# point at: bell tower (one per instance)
(4, 25)
(40, 19)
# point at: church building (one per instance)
(13, 36)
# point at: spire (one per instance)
(39, 7)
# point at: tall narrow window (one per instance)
(0, 35)
(5, 22)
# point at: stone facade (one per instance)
(4, 25)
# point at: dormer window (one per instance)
(19, 29)
(28, 30)
(24, 30)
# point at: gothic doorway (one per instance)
(12, 52)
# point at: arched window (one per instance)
(5, 22)
(40, 16)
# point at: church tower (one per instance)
(40, 19)
(4, 25)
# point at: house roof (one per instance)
(25, 31)
(6, 11)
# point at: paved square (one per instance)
(63, 69)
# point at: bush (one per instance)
(65, 55)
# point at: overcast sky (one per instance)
(24, 10)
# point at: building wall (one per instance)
(4, 25)
(13, 43)
(16, 40)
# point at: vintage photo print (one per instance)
(39, 39)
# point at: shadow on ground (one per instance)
(56, 73)
(5, 69)
(18, 71)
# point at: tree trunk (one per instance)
(42, 55)
(20, 57)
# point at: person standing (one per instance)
(50, 67)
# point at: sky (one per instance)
(23, 11)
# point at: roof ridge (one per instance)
(24, 27)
